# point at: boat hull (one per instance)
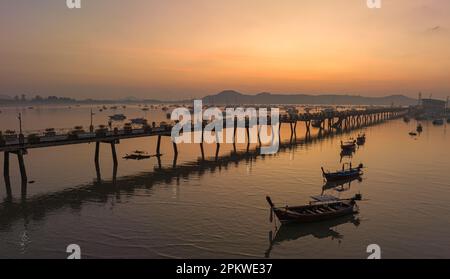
(291, 215)
(339, 177)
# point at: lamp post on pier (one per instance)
(91, 127)
(21, 136)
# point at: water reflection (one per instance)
(340, 186)
(100, 190)
(321, 230)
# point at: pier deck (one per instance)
(325, 121)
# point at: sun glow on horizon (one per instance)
(176, 49)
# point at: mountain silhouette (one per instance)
(231, 97)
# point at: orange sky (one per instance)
(176, 49)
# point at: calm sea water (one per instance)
(218, 209)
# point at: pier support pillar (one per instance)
(159, 162)
(6, 174)
(217, 151)
(158, 145)
(23, 172)
(175, 158)
(259, 135)
(114, 154)
(279, 131)
(175, 149)
(202, 151)
(96, 161)
(97, 152)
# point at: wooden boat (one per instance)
(361, 139)
(344, 173)
(137, 155)
(438, 122)
(348, 145)
(322, 208)
(413, 134)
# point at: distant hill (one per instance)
(230, 97)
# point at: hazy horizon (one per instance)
(172, 50)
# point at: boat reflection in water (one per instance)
(340, 186)
(321, 230)
(346, 154)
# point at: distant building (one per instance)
(433, 106)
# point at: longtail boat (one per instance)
(322, 208)
(438, 122)
(137, 155)
(348, 145)
(343, 174)
(361, 139)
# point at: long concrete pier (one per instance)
(325, 121)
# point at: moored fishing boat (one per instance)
(348, 145)
(322, 208)
(137, 155)
(344, 173)
(361, 139)
(118, 117)
(438, 122)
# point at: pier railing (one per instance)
(325, 121)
